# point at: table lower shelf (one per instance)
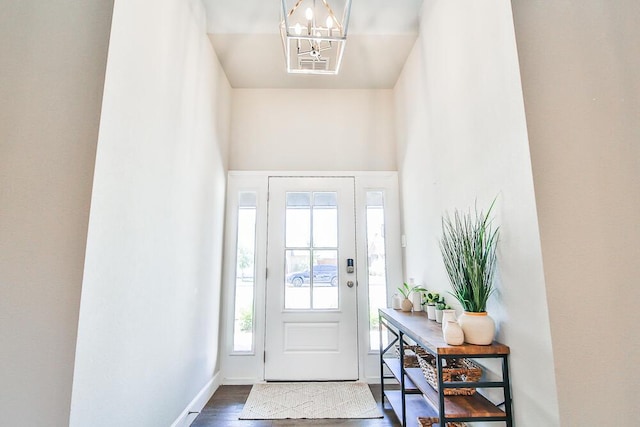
(474, 406)
(396, 371)
(416, 406)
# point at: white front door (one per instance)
(311, 316)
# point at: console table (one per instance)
(416, 398)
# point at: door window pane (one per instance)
(325, 220)
(297, 293)
(329, 199)
(298, 220)
(245, 273)
(325, 279)
(376, 263)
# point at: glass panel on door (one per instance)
(311, 234)
(297, 291)
(325, 279)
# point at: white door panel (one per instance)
(311, 336)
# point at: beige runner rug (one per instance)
(274, 401)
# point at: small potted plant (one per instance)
(432, 299)
(440, 306)
(406, 292)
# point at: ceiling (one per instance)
(245, 35)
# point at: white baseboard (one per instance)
(195, 406)
(241, 381)
(252, 381)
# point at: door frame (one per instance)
(248, 367)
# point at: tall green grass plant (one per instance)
(468, 249)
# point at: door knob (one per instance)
(350, 283)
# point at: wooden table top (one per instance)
(428, 333)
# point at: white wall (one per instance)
(148, 332)
(462, 138)
(53, 57)
(581, 81)
(312, 130)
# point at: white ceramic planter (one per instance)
(478, 328)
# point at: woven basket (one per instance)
(410, 357)
(429, 422)
(456, 370)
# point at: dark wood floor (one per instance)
(225, 407)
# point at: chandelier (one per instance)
(313, 35)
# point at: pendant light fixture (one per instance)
(314, 35)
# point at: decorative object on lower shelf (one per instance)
(456, 370)
(453, 334)
(479, 328)
(430, 421)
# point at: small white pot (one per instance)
(438, 316)
(478, 328)
(431, 311)
(396, 302)
(416, 298)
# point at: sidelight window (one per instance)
(243, 327)
(376, 262)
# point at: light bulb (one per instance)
(298, 29)
(329, 22)
(309, 14)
